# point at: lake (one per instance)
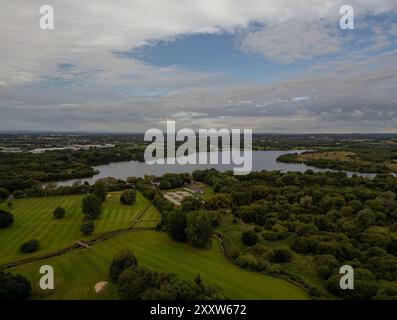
(261, 160)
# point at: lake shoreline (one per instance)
(262, 160)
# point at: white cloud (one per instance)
(291, 41)
(300, 99)
(92, 94)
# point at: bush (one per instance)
(128, 197)
(177, 222)
(6, 219)
(247, 261)
(249, 238)
(219, 201)
(270, 235)
(92, 206)
(280, 255)
(365, 286)
(326, 265)
(199, 229)
(125, 259)
(14, 287)
(87, 227)
(30, 246)
(393, 227)
(387, 291)
(18, 194)
(191, 204)
(59, 213)
(4, 194)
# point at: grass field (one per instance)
(33, 219)
(329, 155)
(77, 272)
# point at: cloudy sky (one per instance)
(130, 65)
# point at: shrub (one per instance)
(387, 291)
(14, 287)
(326, 265)
(18, 194)
(393, 227)
(191, 204)
(280, 255)
(219, 201)
(6, 219)
(123, 260)
(87, 227)
(270, 235)
(249, 238)
(30, 246)
(247, 261)
(4, 194)
(59, 213)
(128, 197)
(365, 286)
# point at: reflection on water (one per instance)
(261, 160)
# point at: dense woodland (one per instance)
(334, 219)
(21, 171)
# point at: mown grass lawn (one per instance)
(34, 220)
(76, 273)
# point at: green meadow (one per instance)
(34, 220)
(77, 272)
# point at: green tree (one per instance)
(4, 194)
(219, 201)
(14, 287)
(59, 213)
(30, 246)
(6, 219)
(100, 190)
(249, 238)
(123, 260)
(191, 204)
(177, 222)
(92, 206)
(199, 229)
(326, 265)
(128, 197)
(365, 218)
(132, 283)
(365, 286)
(87, 227)
(280, 255)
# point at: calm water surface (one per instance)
(261, 160)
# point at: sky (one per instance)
(281, 66)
